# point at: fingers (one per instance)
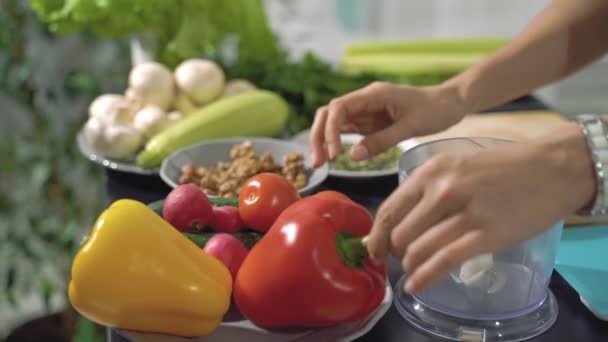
(349, 128)
(432, 240)
(444, 260)
(441, 197)
(364, 100)
(392, 211)
(333, 126)
(317, 137)
(379, 141)
(427, 213)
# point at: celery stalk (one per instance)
(451, 46)
(409, 64)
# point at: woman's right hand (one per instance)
(384, 114)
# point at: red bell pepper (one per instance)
(311, 269)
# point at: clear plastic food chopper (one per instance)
(493, 297)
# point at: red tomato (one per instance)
(262, 199)
(332, 194)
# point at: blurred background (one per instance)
(50, 194)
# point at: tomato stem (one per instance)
(352, 249)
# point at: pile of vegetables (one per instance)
(177, 268)
(184, 29)
(156, 98)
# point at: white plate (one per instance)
(128, 166)
(211, 152)
(302, 137)
(247, 331)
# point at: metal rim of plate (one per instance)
(352, 138)
(449, 327)
(125, 166)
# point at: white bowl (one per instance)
(210, 152)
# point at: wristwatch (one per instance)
(594, 130)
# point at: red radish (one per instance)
(227, 249)
(226, 219)
(187, 207)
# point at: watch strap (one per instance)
(594, 130)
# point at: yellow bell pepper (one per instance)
(136, 272)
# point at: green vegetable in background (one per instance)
(415, 57)
(426, 46)
(310, 83)
(180, 29)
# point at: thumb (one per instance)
(378, 142)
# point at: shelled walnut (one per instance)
(226, 178)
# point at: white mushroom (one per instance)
(93, 132)
(110, 139)
(135, 103)
(150, 120)
(202, 80)
(237, 86)
(121, 141)
(152, 83)
(111, 108)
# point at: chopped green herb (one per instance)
(384, 161)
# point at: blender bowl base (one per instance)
(456, 328)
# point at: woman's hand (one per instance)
(385, 114)
(455, 207)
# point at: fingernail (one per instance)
(360, 152)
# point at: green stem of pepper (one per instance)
(352, 249)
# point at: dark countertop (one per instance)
(574, 321)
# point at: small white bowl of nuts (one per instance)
(220, 167)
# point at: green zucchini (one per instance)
(253, 113)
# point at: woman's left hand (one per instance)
(455, 207)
